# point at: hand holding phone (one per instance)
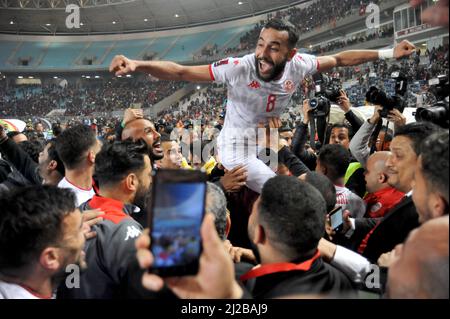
(177, 210)
(335, 221)
(215, 278)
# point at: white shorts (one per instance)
(232, 155)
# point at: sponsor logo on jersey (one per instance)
(254, 85)
(222, 62)
(132, 232)
(236, 62)
(289, 86)
(376, 207)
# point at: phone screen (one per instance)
(336, 218)
(178, 209)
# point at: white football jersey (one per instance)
(251, 100)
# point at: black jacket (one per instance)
(392, 229)
(298, 146)
(292, 162)
(321, 279)
(110, 256)
(354, 121)
(21, 161)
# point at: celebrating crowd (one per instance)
(294, 208)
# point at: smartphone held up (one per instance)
(176, 215)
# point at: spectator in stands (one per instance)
(77, 147)
(124, 171)
(41, 234)
(381, 196)
(332, 162)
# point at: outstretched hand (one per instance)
(404, 49)
(121, 65)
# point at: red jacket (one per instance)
(379, 203)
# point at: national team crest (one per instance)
(254, 85)
(289, 86)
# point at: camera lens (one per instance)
(313, 103)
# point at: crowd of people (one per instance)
(353, 206)
(83, 98)
(339, 44)
(379, 211)
(316, 15)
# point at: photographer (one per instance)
(359, 145)
(306, 155)
(344, 104)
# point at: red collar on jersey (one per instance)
(279, 267)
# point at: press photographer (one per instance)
(438, 112)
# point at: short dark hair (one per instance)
(279, 25)
(73, 143)
(118, 159)
(336, 159)
(284, 129)
(31, 220)
(294, 212)
(166, 138)
(53, 156)
(342, 125)
(324, 186)
(435, 162)
(11, 134)
(32, 148)
(417, 132)
(56, 129)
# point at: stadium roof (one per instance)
(117, 16)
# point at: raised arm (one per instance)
(164, 70)
(355, 57)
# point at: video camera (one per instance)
(327, 91)
(378, 97)
(438, 113)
